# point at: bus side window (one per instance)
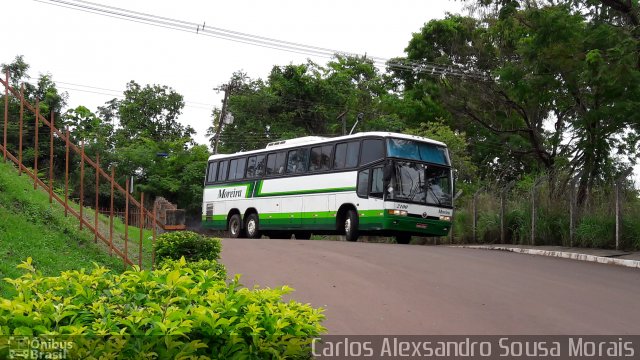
(320, 158)
(222, 170)
(260, 164)
(316, 158)
(372, 150)
(275, 163)
(347, 155)
(377, 184)
(271, 164)
(298, 161)
(363, 183)
(325, 161)
(251, 167)
(280, 162)
(341, 156)
(212, 170)
(353, 154)
(236, 168)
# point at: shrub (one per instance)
(596, 231)
(167, 313)
(187, 244)
(218, 270)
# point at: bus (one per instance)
(371, 183)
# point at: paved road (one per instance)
(371, 288)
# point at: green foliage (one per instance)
(309, 99)
(149, 111)
(187, 244)
(174, 312)
(203, 264)
(596, 231)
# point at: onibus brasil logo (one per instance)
(26, 347)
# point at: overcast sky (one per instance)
(92, 57)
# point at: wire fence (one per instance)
(548, 212)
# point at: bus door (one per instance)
(370, 190)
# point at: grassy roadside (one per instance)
(31, 227)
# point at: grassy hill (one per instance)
(31, 227)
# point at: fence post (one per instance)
(475, 215)
(533, 208)
(153, 237)
(503, 193)
(126, 223)
(81, 183)
(572, 211)
(618, 187)
(6, 114)
(35, 147)
(453, 200)
(95, 218)
(20, 130)
(141, 229)
(113, 174)
(51, 158)
(66, 173)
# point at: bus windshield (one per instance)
(414, 150)
(420, 183)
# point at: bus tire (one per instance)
(252, 226)
(235, 226)
(302, 235)
(403, 239)
(351, 225)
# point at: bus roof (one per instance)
(311, 140)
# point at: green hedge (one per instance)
(187, 244)
(174, 312)
(217, 269)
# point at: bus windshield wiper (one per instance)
(434, 194)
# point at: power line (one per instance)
(255, 40)
(189, 104)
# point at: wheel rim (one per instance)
(235, 226)
(251, 227)
(347, 226)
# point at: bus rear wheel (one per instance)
(235, 226)
(351, 225)
(251, 226)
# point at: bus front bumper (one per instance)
(416, 226)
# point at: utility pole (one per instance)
(344, 122)
(227, 91)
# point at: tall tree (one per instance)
(562, 90)
(147, 112)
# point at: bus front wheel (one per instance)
(251, 226)
(351, 225)
(235, 226)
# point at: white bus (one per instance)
(373, 183)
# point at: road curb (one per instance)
(560, 254)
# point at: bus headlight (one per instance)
(445, 218)
(397, 212)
